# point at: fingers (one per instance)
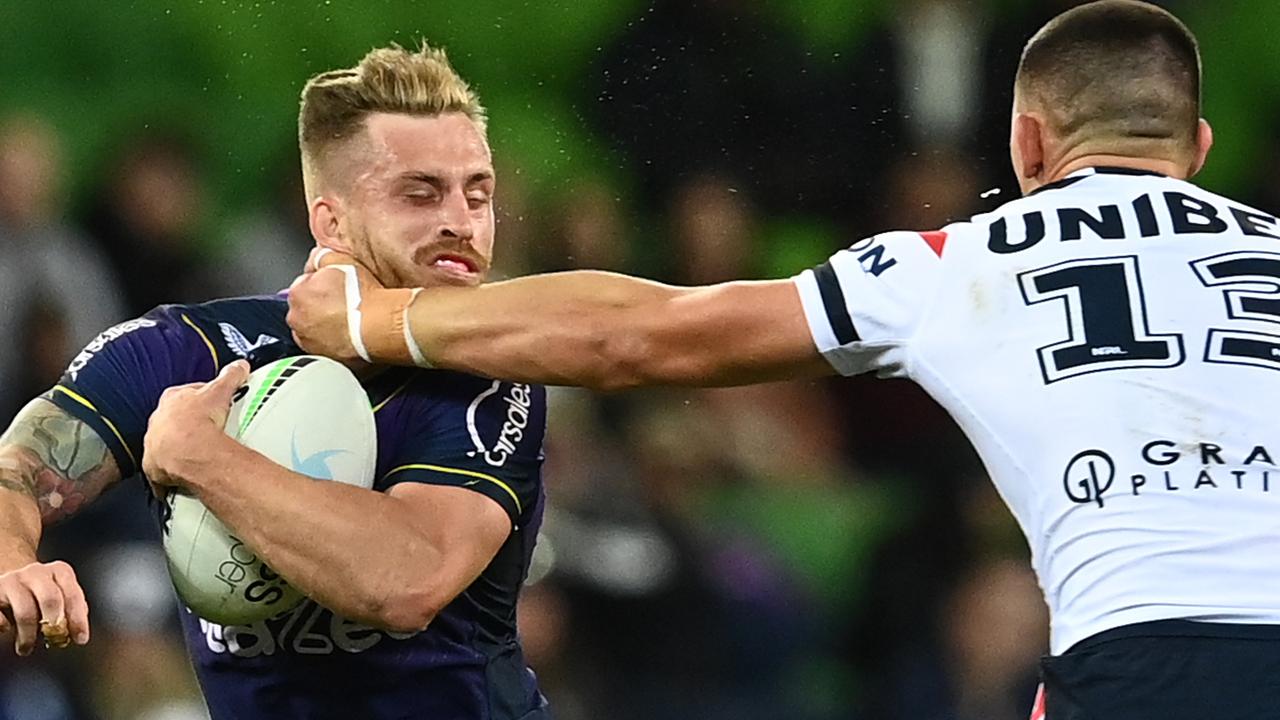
(43, 599)
(234, 374)
(324, 257)
(77, 607)
(231, 377)
(314, 259)
(52, 612)
(23, 611)
(161, 492)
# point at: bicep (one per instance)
(56, 459)
(465, 527)
(729, 334)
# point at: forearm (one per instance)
(569, 328)
(595, 329)
(51, 465)
(354, 551)
(608, 331)
(20, 524)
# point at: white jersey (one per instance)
(1111, 346)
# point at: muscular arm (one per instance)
(610, 331)
(601, 330)
(388, 560)
(51, 465)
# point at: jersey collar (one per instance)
(1083, 173)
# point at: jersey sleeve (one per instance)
(115, 383)
(480, 434)
(866, 303)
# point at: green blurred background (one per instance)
(819, 551)
(232, 71)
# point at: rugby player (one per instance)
(412, 585)
(1110, 343)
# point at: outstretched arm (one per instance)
(596, 329)
(611, 331)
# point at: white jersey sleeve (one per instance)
(865, 304)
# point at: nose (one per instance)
(456, 221)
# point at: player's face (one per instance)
(421, 207)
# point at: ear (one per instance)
(1204, 141)
(324, 216)
(1027, 143)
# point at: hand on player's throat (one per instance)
(340, 310)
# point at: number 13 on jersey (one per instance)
(1106, 310)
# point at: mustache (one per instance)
(428, 253)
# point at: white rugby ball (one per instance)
(307, 413)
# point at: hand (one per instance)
(43, 598)
(323, 257)
(186, 428)
(319, 305)
(338, 309)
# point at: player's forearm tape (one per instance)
(378, 322)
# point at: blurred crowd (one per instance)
(817, 551)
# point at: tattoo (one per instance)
(20, 483)
(55, 459)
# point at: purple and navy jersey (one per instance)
(435, 427)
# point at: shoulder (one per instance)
(238, 327)
(263, 309)
(895, 256)
(255, 310)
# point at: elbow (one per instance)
(409, 612)
(633, 359)
(624, 361)
(406, 615)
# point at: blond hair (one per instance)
(387, 80)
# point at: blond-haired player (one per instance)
(412, 585)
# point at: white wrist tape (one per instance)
(354, 318)
(414, 351)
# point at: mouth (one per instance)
(455, 264)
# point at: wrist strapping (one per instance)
(378, 322)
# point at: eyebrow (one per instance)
(477, 177)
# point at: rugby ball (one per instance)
(307, 413)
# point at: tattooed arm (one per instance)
(51, 465)
(55, 460)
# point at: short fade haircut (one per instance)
(1115, 72)
(335, 104)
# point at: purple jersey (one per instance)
(435, 427)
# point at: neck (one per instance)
(1164, 167)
